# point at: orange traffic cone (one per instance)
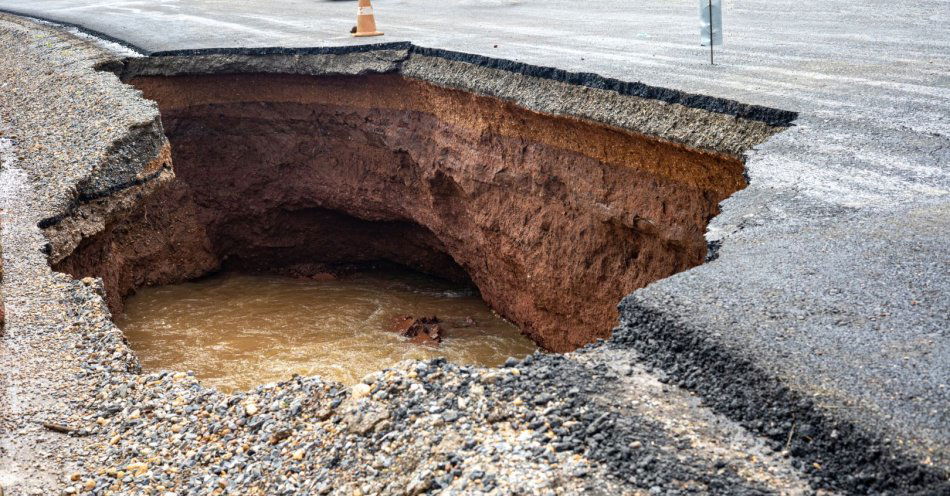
(365, 22)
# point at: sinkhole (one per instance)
(386, 186)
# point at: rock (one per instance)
(250, 409)
(360, 391)
(323, 413)
(370, 378)
(542, 399)
(137, 468)
(422, 330)
(419, 484)
(363, 422)
(57, 427)
(383, 426)
(280, 436)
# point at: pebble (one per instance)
(360, 391)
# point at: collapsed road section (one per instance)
(554, 218)
(554, 198)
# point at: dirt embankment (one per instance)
(554, 219)
(156, 242)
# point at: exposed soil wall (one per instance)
(554, 219)
(155, 241)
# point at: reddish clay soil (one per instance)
(554, 219)
(157, 243)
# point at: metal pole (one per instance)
(711, 34)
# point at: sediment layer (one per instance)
(150, 239)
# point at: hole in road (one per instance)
(281, 179)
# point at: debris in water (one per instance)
(422, 330)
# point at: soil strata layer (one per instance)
(553, 218)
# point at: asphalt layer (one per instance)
(829, 275)
(869, 356)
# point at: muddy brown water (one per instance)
(239, 331)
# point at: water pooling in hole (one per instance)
(239, 331)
